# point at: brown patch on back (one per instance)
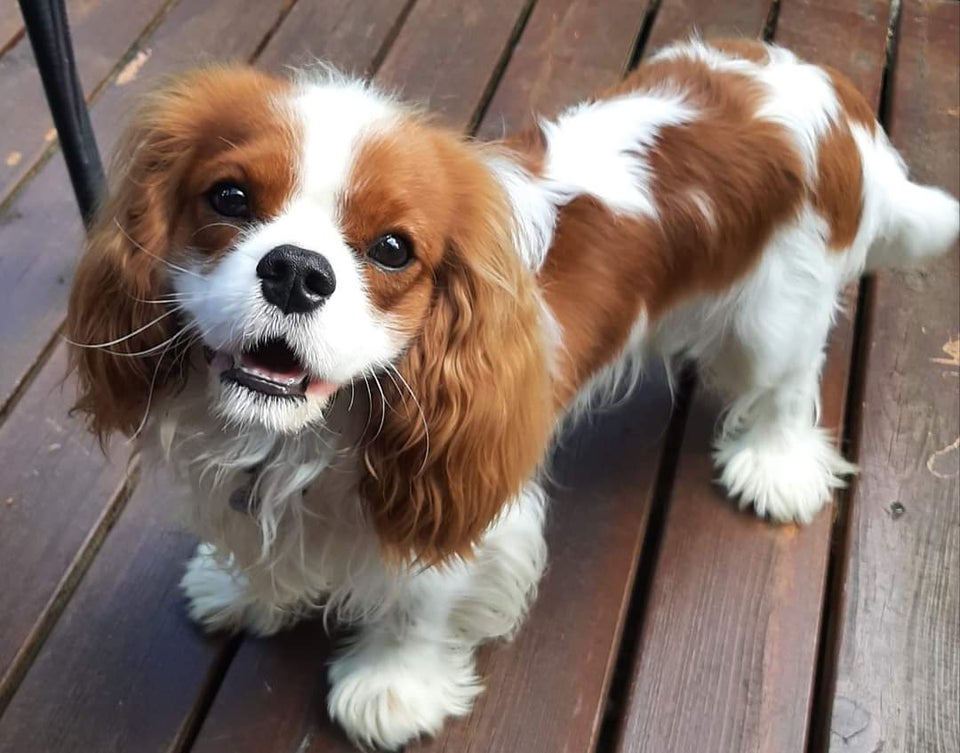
(722, 185)
(838, 195)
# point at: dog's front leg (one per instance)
(412, 662)
(220, 597)
(406, 670)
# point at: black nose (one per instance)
(295, 280)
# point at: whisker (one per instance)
(125, 337)
(366, 426)
(423, 417)
(383, 412)
(185, 348)
(216, 224)
(353, 392)
(153, 255)
(153, 382)
(170, 298)
(153, 348)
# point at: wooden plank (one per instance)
(473, 40)
(123, 668)
(678, 19)
(352, 33)
(272, 699)
(567, 51)
(11, 25)
(54, 487)
(102, 32)
(898, 671)
(729, 641)
(40, 232)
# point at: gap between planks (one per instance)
(63, 591)
(663, 486)
(90, 98)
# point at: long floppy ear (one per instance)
(120, 335)
(443, 465)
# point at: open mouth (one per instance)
(269, 368)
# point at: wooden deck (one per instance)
(667, 621)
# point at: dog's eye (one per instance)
(229, 200)
(391, 251)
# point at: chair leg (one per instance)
(49, 32)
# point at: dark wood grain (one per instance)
(54, 487)
(445, 41)
(678, 19)
(351, 34)
(123, 667)
(898, 672)
(274, 698)
(11, 25)
(40, 232)
(729, 642)
(567, 51)
(102, 32)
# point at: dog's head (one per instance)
(306, 236)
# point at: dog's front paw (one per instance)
(218, 597)
(788, 476)
(386, 693)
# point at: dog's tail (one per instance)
(913, 222)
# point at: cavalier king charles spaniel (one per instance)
(354, 333)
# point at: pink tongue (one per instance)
(321, 389)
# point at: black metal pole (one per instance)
(49, 32)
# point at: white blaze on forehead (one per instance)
(346, 335)
(335, 114)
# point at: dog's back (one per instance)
(713, 205)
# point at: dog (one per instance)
(355, 333)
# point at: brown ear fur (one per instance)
(122, 273)
(440, 472)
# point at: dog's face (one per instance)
(306, 225)
(306, 237)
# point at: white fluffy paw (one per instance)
(385, 693)
(788, 475)
(218, 597)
